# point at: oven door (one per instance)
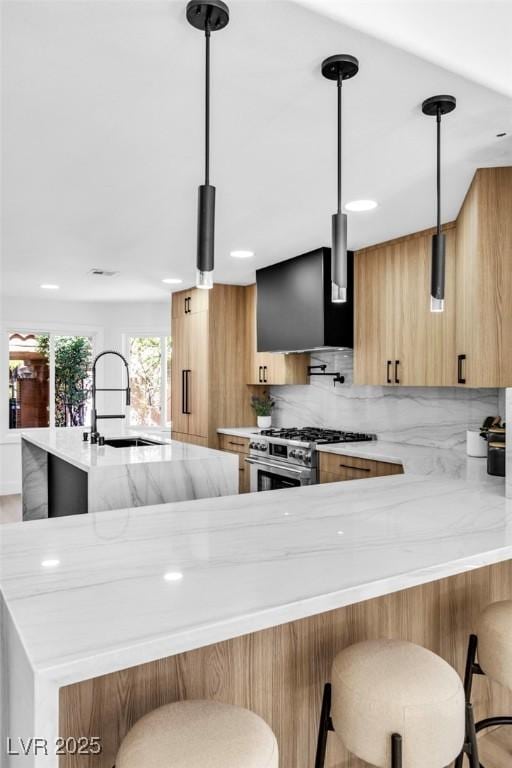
(271, 475)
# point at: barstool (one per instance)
(196, 734)
(493, 644)
(391, 700)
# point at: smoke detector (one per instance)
(97, 272)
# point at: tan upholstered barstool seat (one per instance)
(494, 632)
(199, 734)
(383, 687)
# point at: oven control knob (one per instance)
(262, 446)
(253, 445)
(307, 458)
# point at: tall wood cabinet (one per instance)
(209, 363)
(398, 340)
(271, 368)
(484, 281)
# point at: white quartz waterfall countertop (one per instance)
(129, 586)
(68, 444)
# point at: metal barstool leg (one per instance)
(324, 727)
(472, 667)
(471, 746)
(396, 751)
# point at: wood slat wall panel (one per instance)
(279, 673)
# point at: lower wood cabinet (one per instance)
(240, 446)
(335, 467)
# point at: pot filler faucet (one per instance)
(95, 435)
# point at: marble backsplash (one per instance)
(433, 416)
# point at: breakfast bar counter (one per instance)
(227, 597)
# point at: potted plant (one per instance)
(262, 406)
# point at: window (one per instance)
(49, 380)
(29, 375)
(149, 359)
(73, 380)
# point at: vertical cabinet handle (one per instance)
(183, 391)
(397, 363)
(461, 376)
(388, 374)
(264, 374)
(260, 374)
(188, 373)
(187, 305)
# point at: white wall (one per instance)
(108, 322)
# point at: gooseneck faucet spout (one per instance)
(95, 416)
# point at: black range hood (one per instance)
(294, 308)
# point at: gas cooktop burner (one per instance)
(317, 435)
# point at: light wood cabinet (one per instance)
(209, 363)
(484, 281)
(336, 467)
(190, 301)
(271, 368)
(239, 446)
(398, 340)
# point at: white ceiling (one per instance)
(470, 37)
(103, 141)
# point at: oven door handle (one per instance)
(277, 466)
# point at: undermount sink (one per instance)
(130, 442)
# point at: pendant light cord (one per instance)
(340, 83)
(438, 182)
(207, 110)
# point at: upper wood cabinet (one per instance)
(398, 340)
(209, 363)
(189, 302)
(484, 281)
(270, 367)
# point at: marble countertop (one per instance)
(68, 444)
(130, 586)
(239, 431)
(419, 459)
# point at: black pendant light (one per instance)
(209, 17)
(438, 106)
(340, 67)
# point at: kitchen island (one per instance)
(64, 475)
(244, 598)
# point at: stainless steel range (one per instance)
(285, 458)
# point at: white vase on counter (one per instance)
(264, 422)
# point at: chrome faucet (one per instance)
(95, 435)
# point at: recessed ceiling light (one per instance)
(50, 563)
(361, 205)
(172, 280)
(242, 254)
(50, 286)
(173, 576)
